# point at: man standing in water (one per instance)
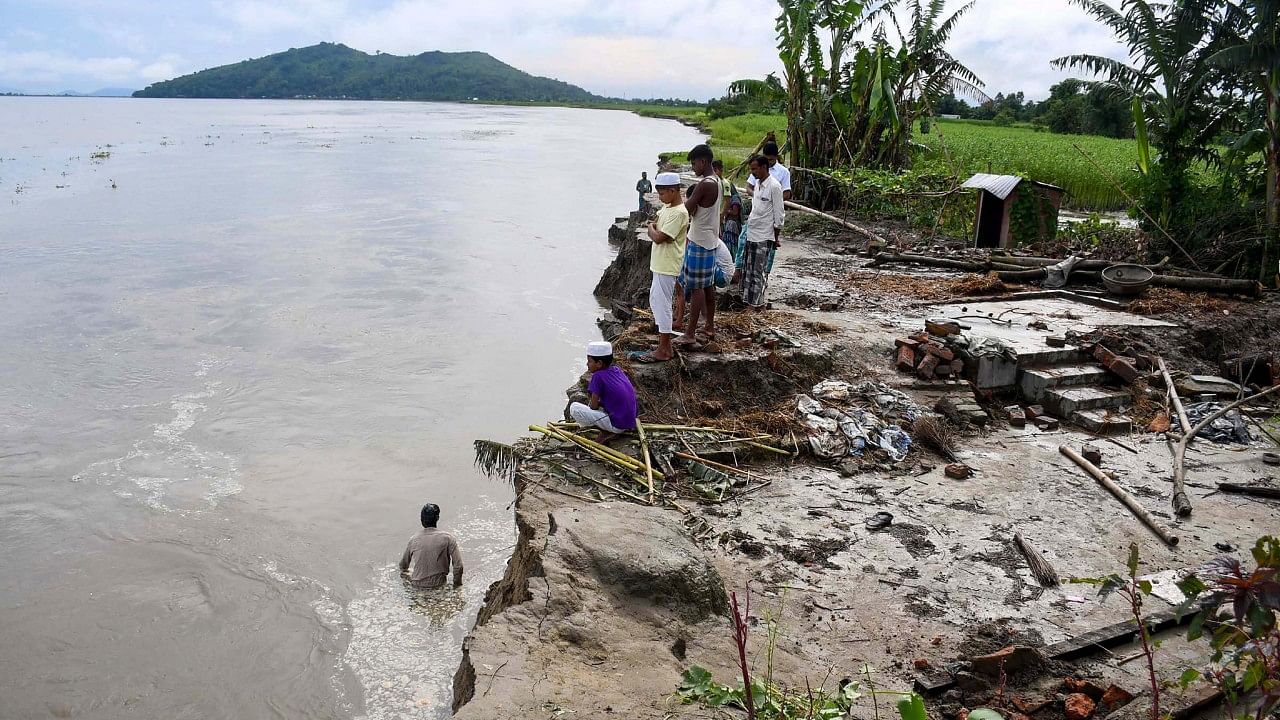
(699, 273)
(644, 187)
(426, 560)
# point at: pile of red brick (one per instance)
(927, 358)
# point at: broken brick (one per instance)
(925, 370)
(957, 366)
(921, 663)
(943, 370)
(1046, 423)
(1055, 341)
(906, 359)
(1009, 659)
(1103, 355)
(1078, 706)
(1147, 362)
(1017, 418)
(1076, 685)
(942, 328)
(942, 352)
(958, 471)
(1159, 423)
(1123, 369)
(1092, 454)
(1116, 697)
(1034, 411)
(906, 342)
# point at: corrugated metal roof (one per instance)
(998, 185)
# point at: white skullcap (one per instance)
(599, 348)
(667, 178)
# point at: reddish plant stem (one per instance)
(1135, 604)
(740, 638)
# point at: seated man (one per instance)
(426, 561)
(613, 397)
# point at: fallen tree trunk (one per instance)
(1025, 261)
(1180, 454)
(1015, 273)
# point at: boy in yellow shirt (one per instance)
(668, 232)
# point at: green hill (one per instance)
(331, 70)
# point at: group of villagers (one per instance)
(700, 243)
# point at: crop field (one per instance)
(1043, 156)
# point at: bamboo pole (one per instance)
(1255, 490)
(1120, 495)
(832, 218)
(600, 452)
(1180, 455)
(601, 483)
(779, 451)
(648, 462)
(712, 463)
(1181, 502)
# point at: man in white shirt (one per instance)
(764, 227)
(777, 171)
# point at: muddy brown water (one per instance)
(241, 343)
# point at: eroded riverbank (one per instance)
(607, 601)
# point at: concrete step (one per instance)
(1045, 355)
(1102, 422)
(1064, 402)
(1035, 382)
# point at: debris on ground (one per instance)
(1230, 428)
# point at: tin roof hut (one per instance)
(1013, 210)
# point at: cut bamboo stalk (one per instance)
(832, 218)
(779, 451)
(1180, 455)
(1040, 567)
(622, 457)
(598, 451)
(648, 462)
(712, 463)
(1181, 502)
(1173, 395)
(1120, 495)
(599, 482)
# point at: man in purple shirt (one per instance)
(613, 398)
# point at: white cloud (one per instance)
(611, 47)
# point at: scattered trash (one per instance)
(1271, 458)
(1229, 428)
(879, 521)
(835, 434)
(1056, 275)
(774, 337)
(832, 390)
(1224, 547)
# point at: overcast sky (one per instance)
(636, 48)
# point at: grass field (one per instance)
(978, 147)
(1044, 156)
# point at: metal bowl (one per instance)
(1127, 279)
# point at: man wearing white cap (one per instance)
(613, 397)
(666, 258)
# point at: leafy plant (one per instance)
(774, 702)
(1238, 613)
(1133, 591)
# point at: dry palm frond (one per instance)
(497, 460)
(934, 434)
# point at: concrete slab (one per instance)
(1066, 401)
(1035, 382)
(1102, 423)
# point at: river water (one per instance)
(241, 342)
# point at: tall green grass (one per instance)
(977, 146)
(1043, 156)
